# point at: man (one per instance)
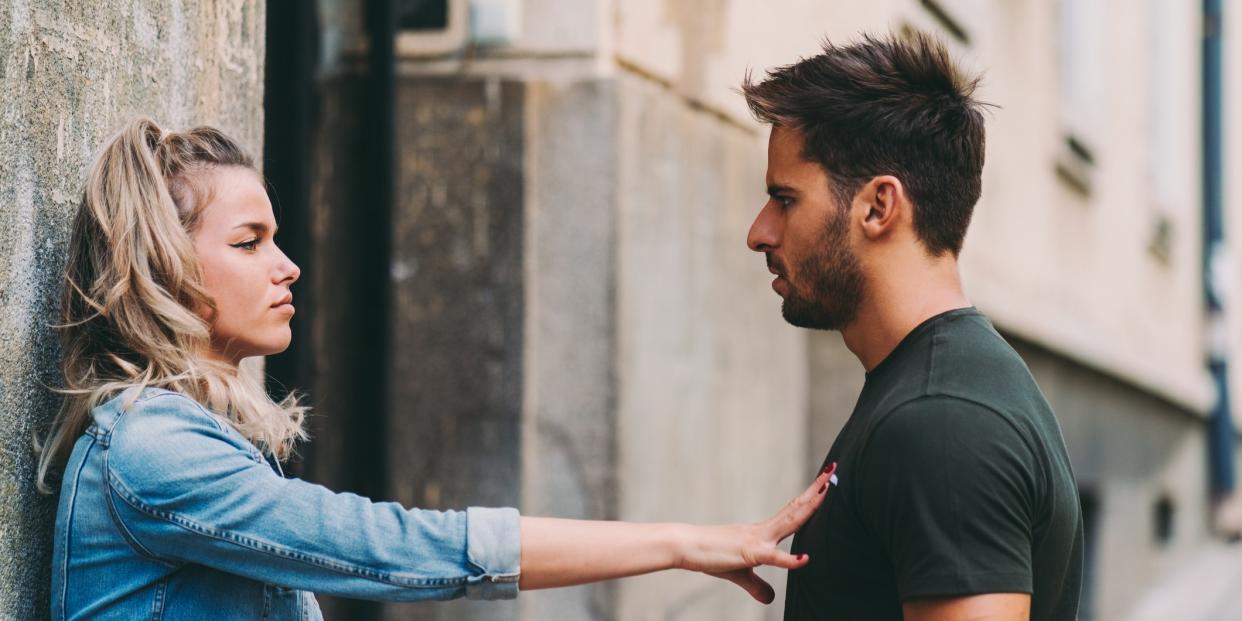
(956, 497)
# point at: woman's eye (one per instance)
(247, 245)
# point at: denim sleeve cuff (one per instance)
(493, 545)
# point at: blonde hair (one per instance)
(133, 303)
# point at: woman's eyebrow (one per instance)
(258, 227)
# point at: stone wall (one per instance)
(70, 74)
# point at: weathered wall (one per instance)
(1130, 449)
(1044, 260)
(711, 381)
(71, 73)
(455, 397)
(569, 441)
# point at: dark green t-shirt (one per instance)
(954, 480)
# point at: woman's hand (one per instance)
(557, 552)
(732, 552)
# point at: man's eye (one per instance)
(247, 245)
(785, 201)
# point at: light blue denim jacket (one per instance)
(167, 512)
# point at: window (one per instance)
(1163, 513)
(431, 27)
(445, 27)
(423, 15)
(1081, 32)
(1171, 52)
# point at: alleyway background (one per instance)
(522, 224)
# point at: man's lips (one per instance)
(774, 265)
(780, 283)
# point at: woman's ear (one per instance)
(885, 201)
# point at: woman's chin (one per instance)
(276, 348)
(269, 348)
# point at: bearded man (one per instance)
(956, 498)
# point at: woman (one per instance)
(172, 504)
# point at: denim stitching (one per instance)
(255, 454)
(265, 547)
(157, 607)
(120, 524)
(176, 395)
(73, 498)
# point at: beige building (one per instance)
(1085, 250)
(574, 324)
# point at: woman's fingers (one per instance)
(777, 557)
(751, 583)
(800, 509)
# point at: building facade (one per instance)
(522, 230)
(657, 380)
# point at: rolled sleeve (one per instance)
(493, 545)
(183, 489)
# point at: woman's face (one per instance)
(243, 270)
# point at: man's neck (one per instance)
(896, 305)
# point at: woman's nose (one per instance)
(287, 270)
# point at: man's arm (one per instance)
(950, 488)
(989, 607)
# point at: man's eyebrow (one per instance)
(775, 189)
(257, 227)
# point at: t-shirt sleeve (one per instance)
(949, 488)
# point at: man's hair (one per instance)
(886, 106)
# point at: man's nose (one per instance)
(764, 233)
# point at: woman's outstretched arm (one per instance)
(557, 552)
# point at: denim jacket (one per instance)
(167, 512)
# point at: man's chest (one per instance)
(850, 574)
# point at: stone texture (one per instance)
(328, 286)
(455, 395)
(70, 74)
(1129, 448)
(569, 415)
(711, 382)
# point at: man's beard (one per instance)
(831, 282)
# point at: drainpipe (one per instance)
(1221, 437)
(372, 216)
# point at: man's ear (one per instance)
(885, 201)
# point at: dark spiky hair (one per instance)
(886, 106)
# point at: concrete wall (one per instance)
(569, 408)
(654, 358)
(711, 381)
(71, 73)
(458, 306)
(1043, 259)
(1130, 450)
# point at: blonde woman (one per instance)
(172, 504)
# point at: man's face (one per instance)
(804, 233)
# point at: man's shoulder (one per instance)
(969, 360)
(945, 417)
